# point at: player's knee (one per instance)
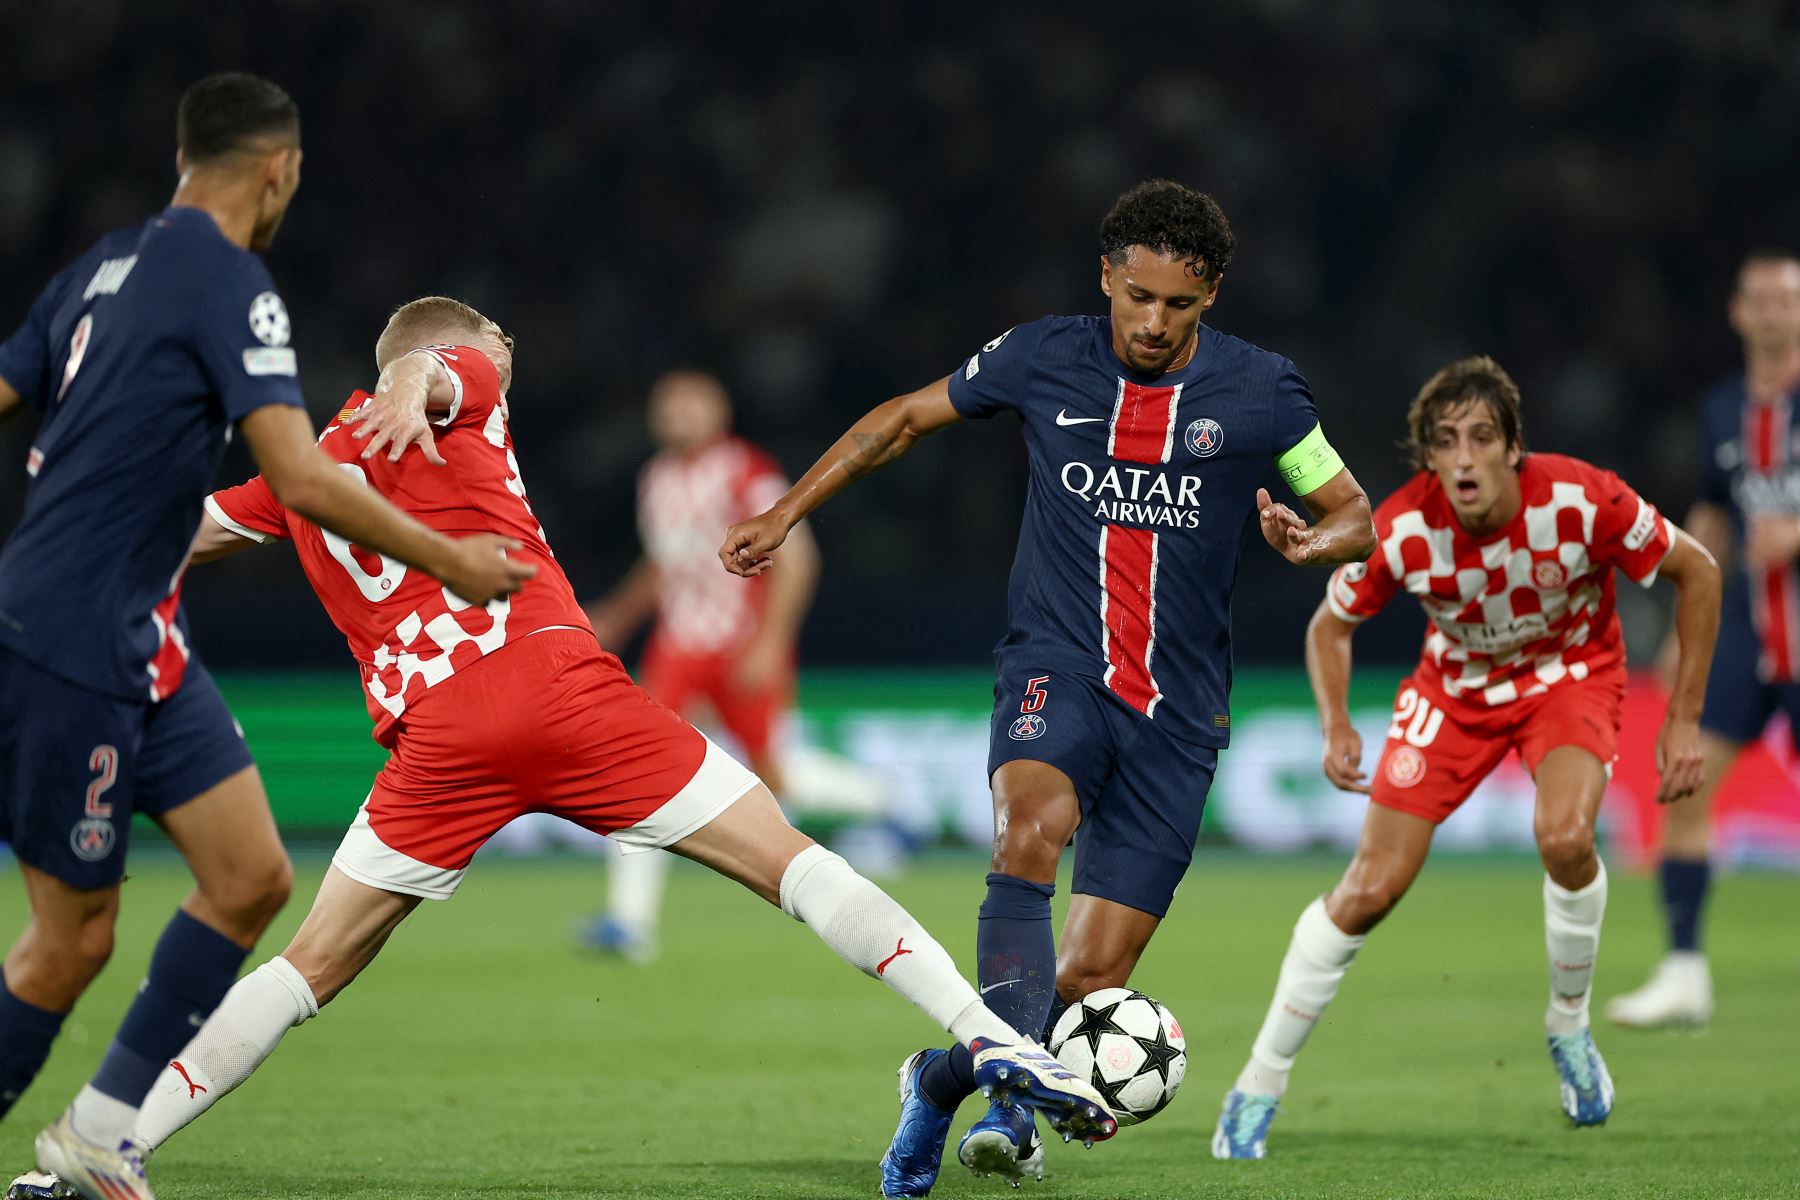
(1566, 849)
(1028, 845)
(251, 897)
(57, 965)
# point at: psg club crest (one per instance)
(1204, 437)
(92, 838)
(1548, 574)
(1028, 726)
(1405, 766)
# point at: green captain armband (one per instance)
(1310, 464)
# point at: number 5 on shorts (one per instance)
(1036, 695)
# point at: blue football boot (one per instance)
(911, 1163)
(609, 935)
(1243, 1129)
(1005, 1142)
(1587, 1090)
(1030, 1076)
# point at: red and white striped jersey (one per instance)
(408, 632)
(1522, 610)
(1142, 490)
(685, 504)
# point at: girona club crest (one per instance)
(1405, 766)
(1028, 726)
(1549, 574)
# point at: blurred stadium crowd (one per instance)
(829, 208)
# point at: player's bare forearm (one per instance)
(1328, 662)
(304, 480)
(412, 390)
(1710, 525)
(884, 434)
(1343, 524)
(213, 541)
(10, 401)
(1698, 584)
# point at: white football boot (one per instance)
(97, 1172)
(1679, 992)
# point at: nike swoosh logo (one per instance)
(1007, 982)
(1063, 418)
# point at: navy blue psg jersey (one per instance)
(141, 355)
(1750, 466)
(1139, 492)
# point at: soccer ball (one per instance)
(1129, 1047)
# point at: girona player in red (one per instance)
(1512, 557)
(491, 712)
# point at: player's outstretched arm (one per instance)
(883, 435)
(1328, 669)
(304, 480)
(1343, 528)
(620, 613)
(1696, 577)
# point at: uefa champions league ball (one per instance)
(1128, 1046)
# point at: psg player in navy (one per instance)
(142, 357)
(1148, 434)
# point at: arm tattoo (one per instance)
(871, 452)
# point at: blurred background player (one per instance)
(717, 644)
(1512, 557)
(490, 712)
(1113, 678)
(1748, 516)
(143, 356)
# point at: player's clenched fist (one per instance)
(1343, 760)
(748, 544)
(479, 570)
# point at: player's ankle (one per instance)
(1259, 1079)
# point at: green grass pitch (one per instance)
(485, 1056)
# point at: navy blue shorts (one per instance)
(75, 764)
(1141, 791)
(1738, 704)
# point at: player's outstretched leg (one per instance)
(348, 925)
(1326, 939)
(751, 842)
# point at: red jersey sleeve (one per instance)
(1629, 533)
(1359, 590)
(249, 510)
(475, 381)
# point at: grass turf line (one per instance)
(483, 1055)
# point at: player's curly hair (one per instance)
(226, 112)
(431, 317)
(1170, 218)
(1476, 379)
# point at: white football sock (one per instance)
(100, 1118)
(1572, 937)
(634, 890)
(875, 935)
(1315, 964)
(242, 1032)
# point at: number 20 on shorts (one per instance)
(1416, 720)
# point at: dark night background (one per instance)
(829, 206)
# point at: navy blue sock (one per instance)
(191, 969)
(1015, 957)
(1684, 886)
(26, 1032)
